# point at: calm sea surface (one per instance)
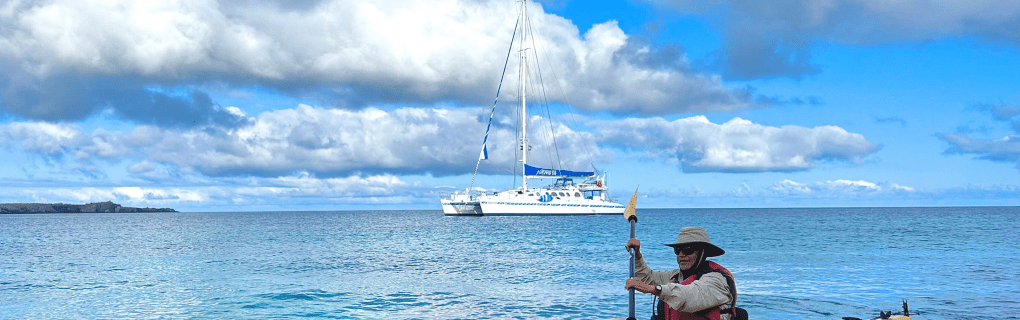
(948, 263)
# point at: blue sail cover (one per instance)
(542, 172)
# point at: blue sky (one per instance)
(349, 105)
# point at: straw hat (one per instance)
(697, 237)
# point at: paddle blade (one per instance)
(631, 212)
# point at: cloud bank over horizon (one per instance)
(391, 192)
(338, 154)
(441, 142)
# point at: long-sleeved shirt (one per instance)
(711, 290)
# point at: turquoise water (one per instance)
(949, 263)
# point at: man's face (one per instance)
(686, 256)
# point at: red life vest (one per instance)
(710, 313)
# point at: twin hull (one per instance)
(532, 202)
(505, 208)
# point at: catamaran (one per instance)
(569, 193)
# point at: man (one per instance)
(699, 289)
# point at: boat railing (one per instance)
(473, 195)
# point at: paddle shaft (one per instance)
(630, 311)
(631, 214)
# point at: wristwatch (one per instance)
(658, 288)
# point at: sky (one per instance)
(228, 105)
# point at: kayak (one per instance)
(904, 315)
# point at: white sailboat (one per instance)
(570, 193)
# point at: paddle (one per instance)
(631, 215)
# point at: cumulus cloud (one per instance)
(735, 146)
(313, 140)
(335, 143)
(339, 142)
(43, 138)
(68, 59)
(774, 38)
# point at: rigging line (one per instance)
(521, 144)
(545, 97)
(554, 155)
(493, 111)
(572, 115)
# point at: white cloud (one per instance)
(145, 38)
(897, 187)
(337, 143)
(42, 137)
(851, 186)
(324, 142)
(791, 187)
(123, 195)
(735, 146)
(363, 51)
(329, 142)
(839, 189)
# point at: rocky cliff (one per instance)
(96, 207)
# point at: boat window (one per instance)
(577, 194)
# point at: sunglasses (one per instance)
(685, 250)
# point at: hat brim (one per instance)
(711, 250)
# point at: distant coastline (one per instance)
(96, 207)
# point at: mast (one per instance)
(523, 78)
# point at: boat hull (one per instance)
(503, 208)
(531, 207)
(466, 208)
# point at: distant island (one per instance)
(97, 207)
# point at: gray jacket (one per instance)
(709, 291)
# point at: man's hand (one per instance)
(636, 244)
(638, 285)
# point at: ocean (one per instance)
(947, 263)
